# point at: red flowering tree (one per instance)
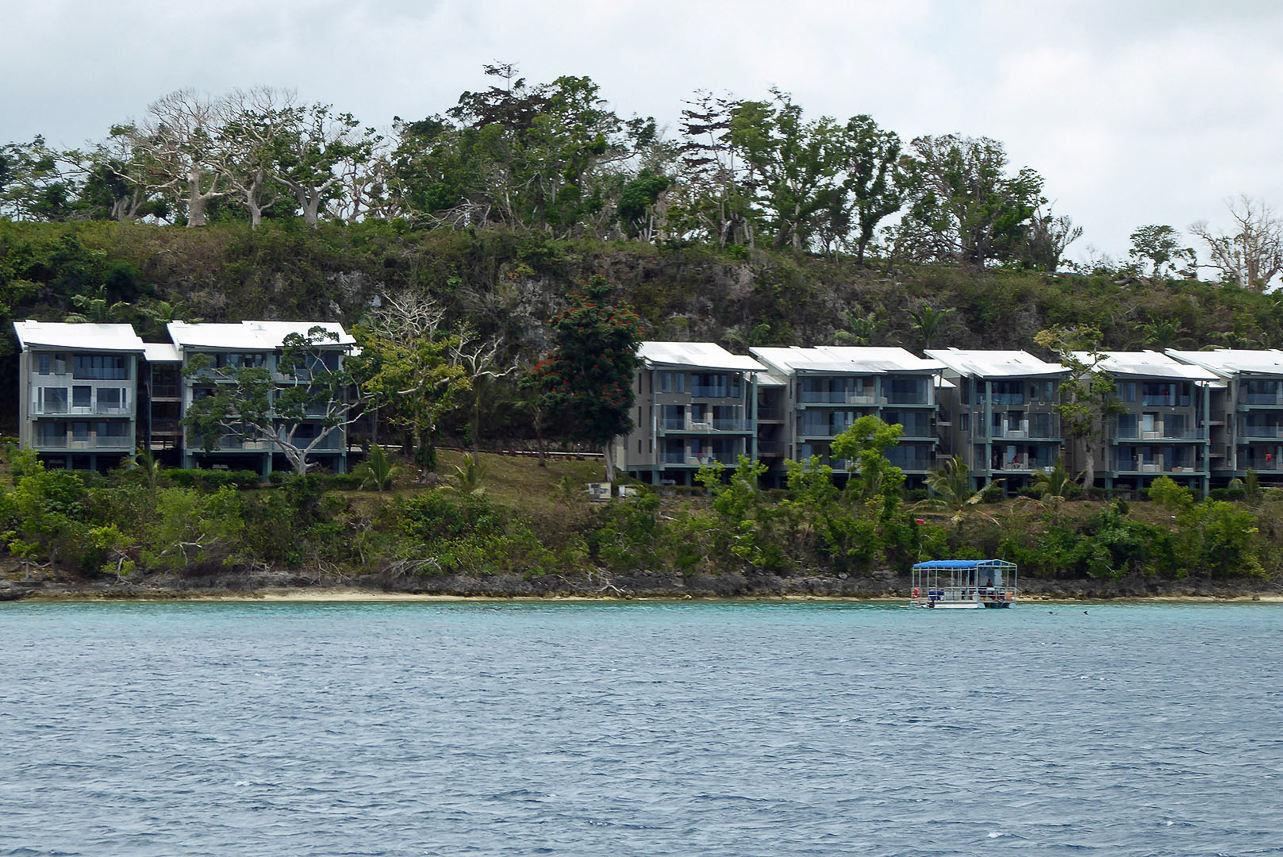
(586, 383)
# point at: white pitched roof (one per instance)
(1227, 362)
(250, 335)
(994, 364)
(845, 360)
(78, 337)
(161, 352)
(695, 355)
(1147, 364)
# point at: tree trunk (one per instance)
(1089, 468)
(609, 456)
(196, 201)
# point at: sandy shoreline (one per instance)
(360, 596)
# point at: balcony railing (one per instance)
(914, 463)
(1262, 431)
(698, 460)
(837, 397)
(1165, 401)
(1262, 398)
(1159, 432)
(706, 425)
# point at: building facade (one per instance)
(77, 397)
(999, 413)
(257, 344)
(1161, 428)
(1245, 416)
(695, 405)
(827, 388)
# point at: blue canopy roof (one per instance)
(965, 563)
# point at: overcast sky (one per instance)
(1134, 112)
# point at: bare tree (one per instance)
(253, 123)
(180, 138)
(480, 361)
(310, 158)
(1253, 255)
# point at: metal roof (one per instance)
(696, 355)
(250, 335)
(1146, 364)
(964, 563)
(845, 360)
(995, 364)
(78, 337)
(161, 352)
(1228, 362)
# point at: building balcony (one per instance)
(687, 424)
(1261, 432)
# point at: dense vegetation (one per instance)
(506, 526)
(457, 248)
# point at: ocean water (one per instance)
(816, 728)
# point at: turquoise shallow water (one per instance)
(639, 729)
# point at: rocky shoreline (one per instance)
(878, 586)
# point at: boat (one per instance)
(963, 584)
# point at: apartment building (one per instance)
(1245, 417)
(999, 413)
(77, 388)
(1162, 429)
(827, 388)
(255, 344)
(695, 405)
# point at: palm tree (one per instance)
(1055, 484)
(377, 470)
(928, 321)
(951, 489)
(1250, 485)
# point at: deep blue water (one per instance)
(639, 729)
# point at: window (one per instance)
(52, 400)
(80, 431)
(51, 433)
(45, 363)
(82, 397)
(110, 399)
(672, 382)
(101, 367)
(110, 431)
(964, 422)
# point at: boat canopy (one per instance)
(964, 563)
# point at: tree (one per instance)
(797, 164)
(714, 182)
(951, 489)
(178, 142)
(35, 182)
(1158, 245)
(310, 154)
(928, 321)
(1087, 392)
(249, 403)
(964, 205)
(866, 443)
(587, 380)
(1047, 239)
(873, 180)
(1253, 255)
(409, 369)
(479, 360)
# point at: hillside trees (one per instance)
(964, 205)
(587, 380)
(410, 370)
(1252, 255)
